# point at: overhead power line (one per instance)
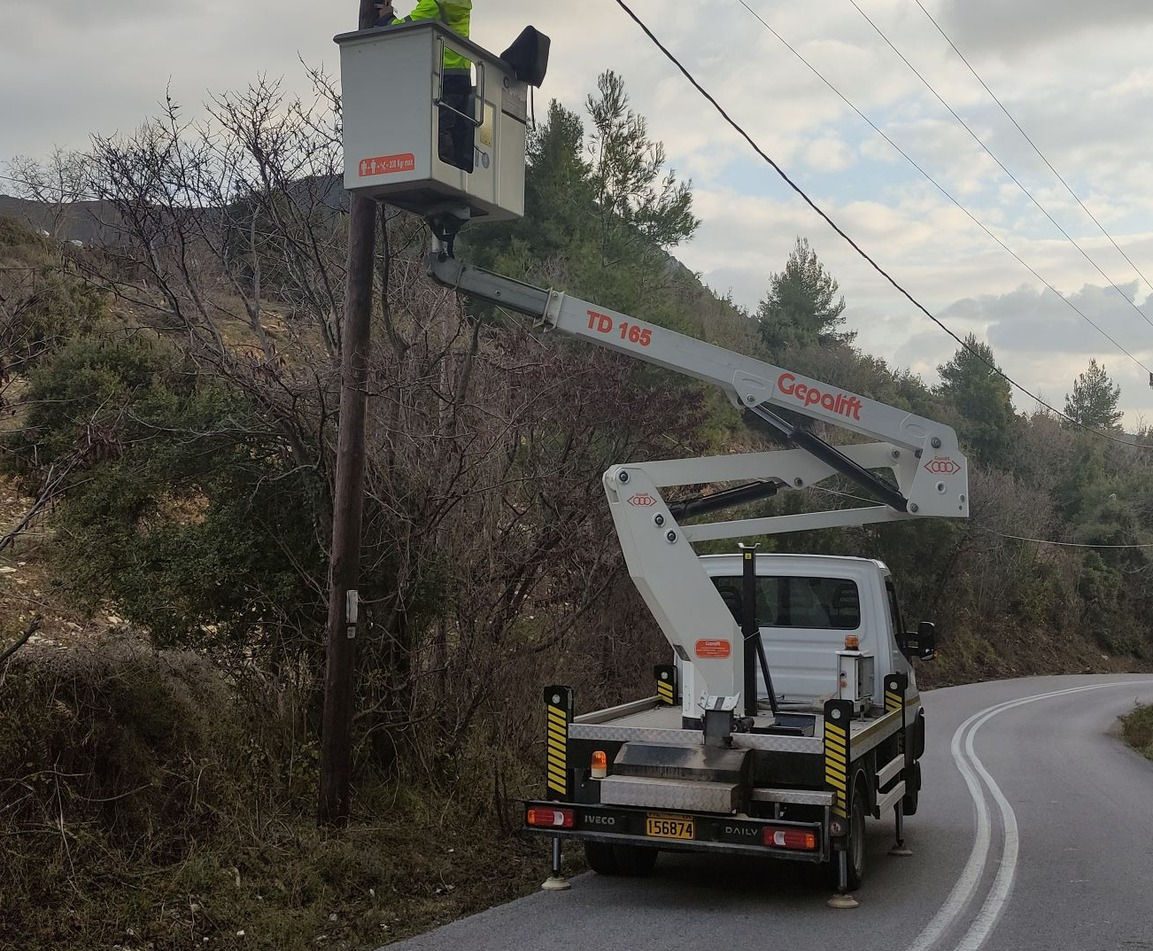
(1033, 145)
(1004, 168)
(844, 235)
(1048, 541)
(946, 193)
(993, 531)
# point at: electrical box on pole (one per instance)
(424, 133)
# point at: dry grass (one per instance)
(1137, 728)
(148, 802)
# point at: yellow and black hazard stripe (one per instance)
(896, 688)
(558, 715)
(838, 715)
(666, 678)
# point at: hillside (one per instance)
(88, 221)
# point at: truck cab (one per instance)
(807, 605)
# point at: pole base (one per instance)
(554, 883)
(900, 850)
(843, 901)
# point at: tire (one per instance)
(854, 844)
(635, 861)
(856, 840)
(629, 861)
(601, 858)
(912, 797)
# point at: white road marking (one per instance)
(970, 767)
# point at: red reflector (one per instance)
(802, 840)
(548, 818)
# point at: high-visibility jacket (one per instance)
(455, 14)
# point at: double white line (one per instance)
(973, 772)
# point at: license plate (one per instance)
(669, 827)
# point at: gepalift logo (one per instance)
(840, 403)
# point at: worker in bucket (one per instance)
(457, 104)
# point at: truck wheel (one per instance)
(911, 798)
(854, 845)
(601, 858)
(626, 860)
(635, 861)
(856, 841)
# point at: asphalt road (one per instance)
(1035, 832)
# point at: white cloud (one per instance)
(828, 154)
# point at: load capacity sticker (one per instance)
(386, 165)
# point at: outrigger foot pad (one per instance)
(843, 901)
(554, 883)
(900, 850)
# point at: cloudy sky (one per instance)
(1075, 75)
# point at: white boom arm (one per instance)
(930, 472)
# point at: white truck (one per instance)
(789, 711)
(843, 744)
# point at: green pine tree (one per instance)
(802, 307)
(1093, 402)
(982, 400)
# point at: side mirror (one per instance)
(923, 644)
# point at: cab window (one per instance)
(817, 603)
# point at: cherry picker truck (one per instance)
(789, 710)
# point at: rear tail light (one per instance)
(543, 817)
(800, 840)
(599, 767)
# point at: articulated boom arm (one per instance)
(934, 482)
(929, 470)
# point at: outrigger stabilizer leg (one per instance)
(843, 899)
(899, 849)
(556, 882)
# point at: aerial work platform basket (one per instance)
(423, 137)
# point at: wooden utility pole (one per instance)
(348, 505)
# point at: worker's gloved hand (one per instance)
(385, 13)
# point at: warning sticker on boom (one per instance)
(387, 165)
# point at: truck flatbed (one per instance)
(651, 721)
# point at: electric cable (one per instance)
(1004, 168)
(1036, 148)
(992, 531)
(946, 193)
(1049, 541)
(849, 240)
